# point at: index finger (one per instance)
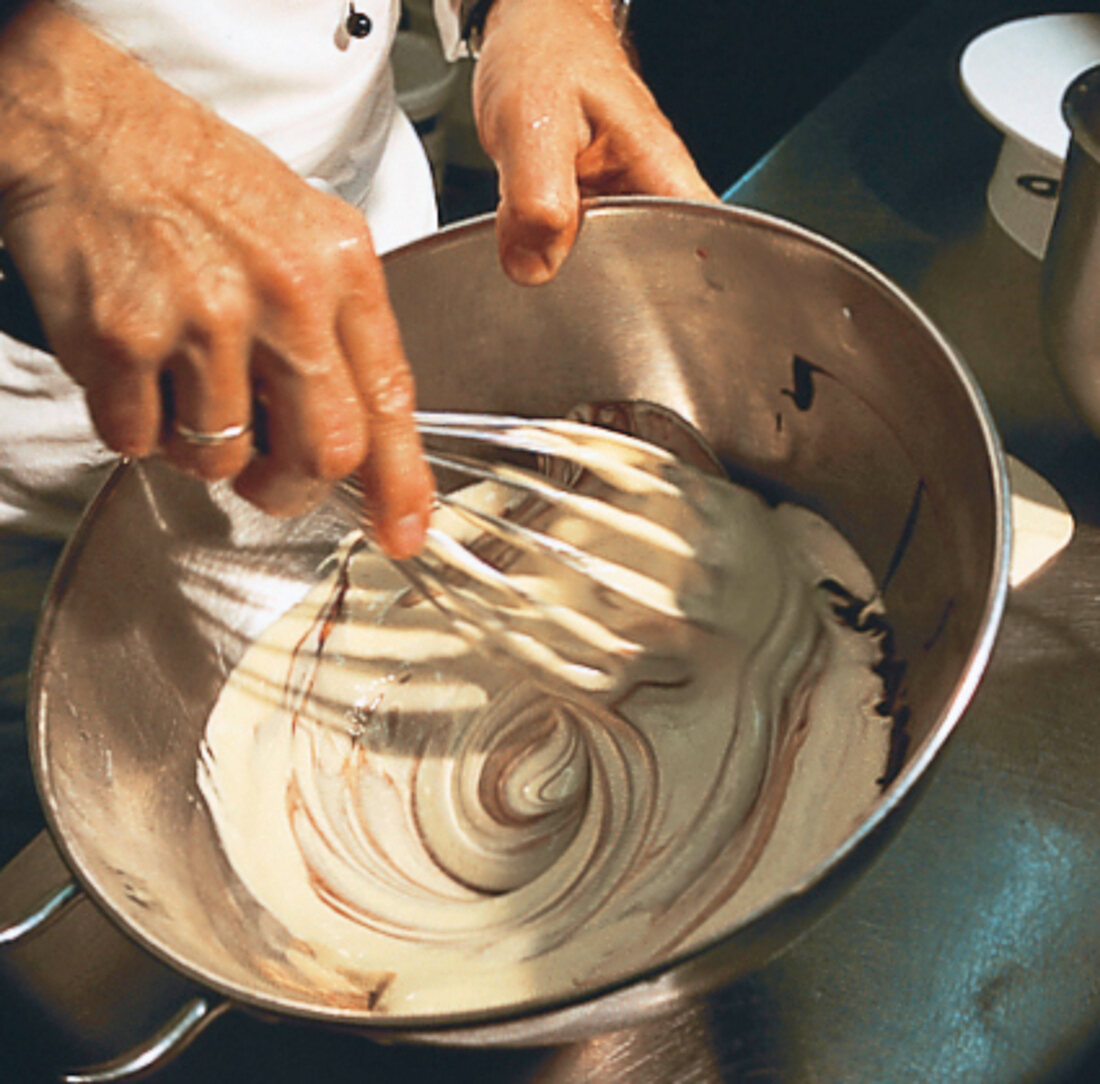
(398, 483)
(539, 210)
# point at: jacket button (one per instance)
(358, 24)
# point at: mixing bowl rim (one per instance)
(914, 770)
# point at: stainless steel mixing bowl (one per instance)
(807, 371)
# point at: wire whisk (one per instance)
(570, 548)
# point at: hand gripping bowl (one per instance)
(806, 370)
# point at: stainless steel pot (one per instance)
(1071, 267)
(806, 370)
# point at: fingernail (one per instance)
(406, 536)
(528, 266)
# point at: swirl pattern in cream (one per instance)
(406, 807)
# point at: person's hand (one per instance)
(183, 274)
(564, 115)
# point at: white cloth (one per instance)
(287, 72)
(447, 19)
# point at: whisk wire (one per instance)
(497, 605)
(499, 621)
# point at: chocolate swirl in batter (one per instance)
(399, 802)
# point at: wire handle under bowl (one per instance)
(46, 918)
(170, 1040)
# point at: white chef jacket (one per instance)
(288, 73)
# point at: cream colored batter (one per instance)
(440, 833)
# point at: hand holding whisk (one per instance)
(572, 549)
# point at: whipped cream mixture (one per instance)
(439, 832)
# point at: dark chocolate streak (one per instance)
(937, 632)
(331, 614)
(906, 537)
(802, 378)
(381, 985)
(333, 609)
(852, 612)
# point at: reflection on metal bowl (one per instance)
(809, 374)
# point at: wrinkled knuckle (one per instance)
(222, 307)
(127, 338)
(350, 224)
(394, 394)
(339, 250)
(214, 467)
(352, 248)
(342, 233)
(119, 422)
(293, 277)
(334, 460)
(546, 212)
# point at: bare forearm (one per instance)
(29, 86)
(69, 100)
(480, 15)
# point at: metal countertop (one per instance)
(971, 949)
